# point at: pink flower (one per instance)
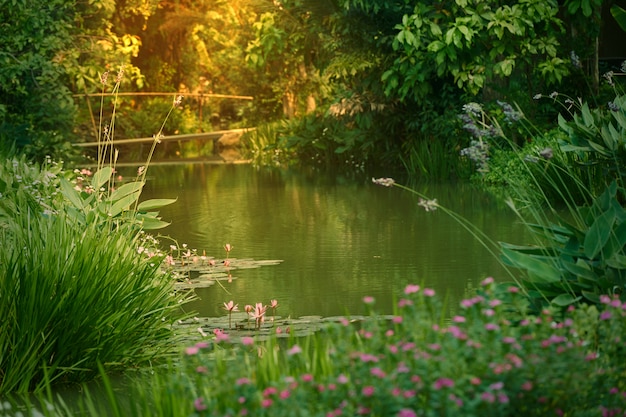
(429, 292)
(274, 303)
(487, 281)
(342, 379)
(295, 349)
(199, 404)
(513, 289)
(377, 372)
(605, 315)
(404, 302)
(443, 382)
(492, 326)
(368, 299)
(267, 402)
(192, 350)
(368, 391)
(488, 397)
(242, 381)
(411, 288)
(284, 394)
(247, 340)
(406, 412)
(228, 247)
(397, 319)
(231, 306)
(458, 319)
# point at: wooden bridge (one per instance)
(171, 138)
(201, 99)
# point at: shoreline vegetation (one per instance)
(88, 291)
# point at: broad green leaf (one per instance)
(71, 194)
(564, 300)
(580, 269)
(126, 189)
(620, 16)
(153, 224)
(156, 203)
(617, 261)
(586, 113)
(541, 270)
(598, 234)
(101, 177)
(591, 296)
(123, 203)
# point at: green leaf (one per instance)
(71, 194)
(580, 269)
(156, 203)
(126, 189)
(124, 203)
(586, 113)
(564, 300)
(538, 269)
(101, 177)
(620, 16)
(598, 234)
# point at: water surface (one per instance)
(340, 238)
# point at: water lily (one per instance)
(274, 305)
(258, 314)
(230, 307)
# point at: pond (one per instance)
(339, 238)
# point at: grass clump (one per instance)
(73, 293)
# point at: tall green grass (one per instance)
(73, 297)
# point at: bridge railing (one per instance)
(215, 111)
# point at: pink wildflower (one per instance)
(411, 288)
(368, 391)
(199, 405)
(406, 412)
(429, 292)
(442, 383)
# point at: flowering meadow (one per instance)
(490, 358)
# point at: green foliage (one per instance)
(620, 16)
(584, 259)
(74, 294)
(596, 139)
(475, 43)
(491, 359)
(36, 108)
(104, 203)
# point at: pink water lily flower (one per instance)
(258, 313)
(230, 307)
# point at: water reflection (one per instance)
(340, 239)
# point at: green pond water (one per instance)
(339, 239)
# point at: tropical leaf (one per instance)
(620, 16)
(598, 234)
(540, 270)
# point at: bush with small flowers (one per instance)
(492, 358)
